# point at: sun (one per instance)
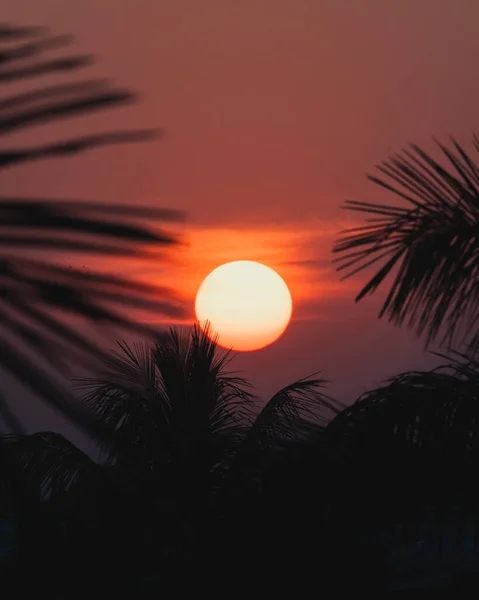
(247, 304)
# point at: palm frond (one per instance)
(203, 395)
(124, 398)
(433, 243)
(53, 470)
(72, 146)
(37, 290)
(229, 395)
(409, 404)
(463, 365)
(288, 415)
(406, 449)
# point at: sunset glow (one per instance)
(247, 304)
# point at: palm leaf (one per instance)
(171, 399)
(287, 417)
(432, 244)
(37, 290)
(197, 384)
(406, 450)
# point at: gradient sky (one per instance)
(273, 112)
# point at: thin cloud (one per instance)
(300, 253)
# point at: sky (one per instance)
(273, 112)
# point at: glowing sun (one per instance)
(247, 304)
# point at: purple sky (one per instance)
(273, 111)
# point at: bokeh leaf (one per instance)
(37, 289)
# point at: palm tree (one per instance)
(189, 437)
(398, 464)
(432, 244)
(173, 402)
(178, 404)
(408, 453)
(185, 432)
(36, 290)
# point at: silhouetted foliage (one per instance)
(186, 449)
(412, 447)
(196, 478)
(433, 243)
(37, 291)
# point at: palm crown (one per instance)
(170, 402)
(177, 401)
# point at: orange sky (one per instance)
(273, 112)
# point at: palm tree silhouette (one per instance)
(179, 392)
(36, 290)
(173, 406)
(184, 434)
(408, 453)
(432, 244)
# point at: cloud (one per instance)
(299, 251)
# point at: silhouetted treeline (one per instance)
(201, 493)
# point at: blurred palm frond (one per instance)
(433, 243)
(37, 288)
